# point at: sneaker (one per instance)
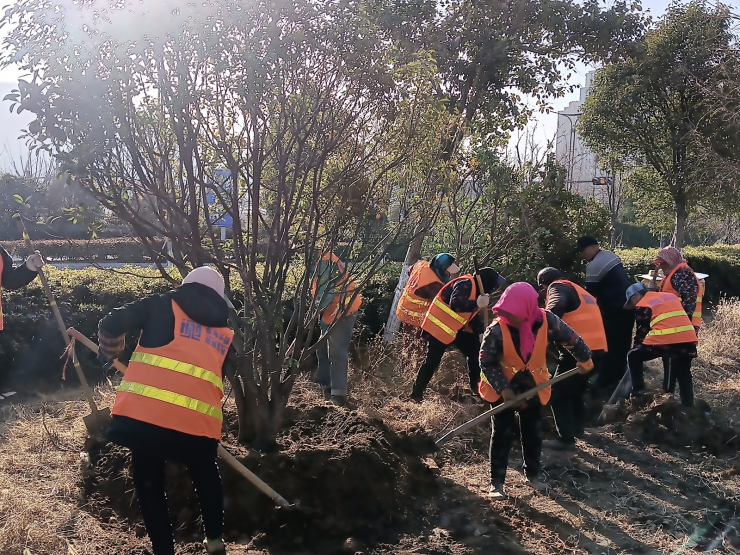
(327, 393)
(537, 485)
(338, 400)
(214, 547)
(558, 445)
(496, 493)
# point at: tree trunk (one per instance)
(680, 208)
(413, 254)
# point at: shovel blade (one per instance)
(97, 422)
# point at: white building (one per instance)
(581, 164)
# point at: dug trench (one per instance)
(355, 483)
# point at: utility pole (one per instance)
(571, 146)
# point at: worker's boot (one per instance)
(496, 492)
(215, 547)
(338, 400)
(327, 393)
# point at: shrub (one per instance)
(118, 249)
(31, 344)
(720, 262)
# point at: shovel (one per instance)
(228, 457)
(97, 421)
(479, 282)
(509, 404)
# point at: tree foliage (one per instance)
(298, 121)
(650, 109)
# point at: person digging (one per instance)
(452, 319)
(425, 281)
(679, 279)
(663, 330)
(168, 407)
(512, 361)
(577, 308)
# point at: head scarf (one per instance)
(672, 256)
(440, 264)
(208, 277)
(520, 300)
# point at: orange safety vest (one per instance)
(441, 321)
(2, 318)
(344, 288)
(586, 319)
(669, 324)
(667, 287)
(511, 363)
(411, 308)
(178, 386)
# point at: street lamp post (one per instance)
(571, 146)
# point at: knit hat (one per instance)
(548, 275)
(208, 277)
(490, 279)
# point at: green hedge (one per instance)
(118, 249)
(31, 344)
(721, 263)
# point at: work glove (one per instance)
(482, 301)
(586, 367)
(34, 262)
(111, 346)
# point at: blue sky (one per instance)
(11, 125)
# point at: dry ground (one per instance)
(623, 491)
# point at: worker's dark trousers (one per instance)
(680, 366)
(618, 326)
(502, 435)
(148, 475)
(568, 406)
(467, 343)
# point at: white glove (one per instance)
(482, 301)
(35, 262)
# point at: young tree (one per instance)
(295, 122)
(650, 109)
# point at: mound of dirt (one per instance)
(349, 477)
(670, 423)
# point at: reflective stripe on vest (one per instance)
(412, 308)
(667, 287)
(178, 386)
(177, 366)
(443, 323)
(669, 323)
(171, 398)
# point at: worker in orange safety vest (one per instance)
(337, 300)
(513, 360)
(579, 309)
(168, 406)
(662, 330)
(452, 318)
(679, 279)
(424, 282)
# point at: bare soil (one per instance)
(661, 479)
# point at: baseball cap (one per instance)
(633, 290)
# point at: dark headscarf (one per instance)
(440, 264)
